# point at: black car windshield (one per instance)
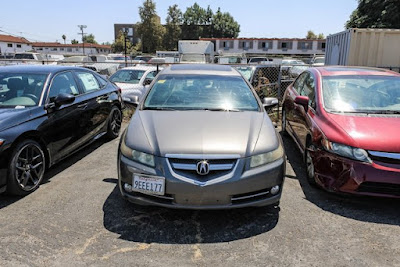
(127, 76)
(361, 94)
(21, 90)
(201, 92)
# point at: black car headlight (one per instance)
(346, 151)
(141, 157)
(265, 158)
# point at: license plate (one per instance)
(148, 184)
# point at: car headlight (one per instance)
(346, 151)
(266, 158)
(144, 158)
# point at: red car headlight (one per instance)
(346, 151)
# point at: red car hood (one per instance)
(370, 132)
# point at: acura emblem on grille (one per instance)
(203, 168)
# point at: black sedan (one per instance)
(46, 114)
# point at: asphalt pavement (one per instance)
(77, 218)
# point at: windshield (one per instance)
(201, 92)
(247, 72)
(127, 76)
(193, 58)
(361, 94)
(20, 90)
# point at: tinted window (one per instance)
(298, 84)
(201, 92)
(151, 75)
(21, 89)
(63, 83)
(102, 82)
(89, 82)
(309, 89)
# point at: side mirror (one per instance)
(64, 99)
(133, 100)
(147, 82)
(303, 101)
(269, 102)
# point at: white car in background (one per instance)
(134, 81)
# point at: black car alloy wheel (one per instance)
(26, 168)
(114, 124)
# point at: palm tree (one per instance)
(64, 37)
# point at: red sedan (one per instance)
(346, 121)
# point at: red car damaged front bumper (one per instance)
(339, 174)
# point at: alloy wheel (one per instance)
(29, 167)
(116, 121)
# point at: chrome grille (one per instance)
(187, 167)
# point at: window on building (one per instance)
(69, 49)
(54, 49)
(19, 46)
(285, 45)
(61, 49)
(9, 45)
(76, 49)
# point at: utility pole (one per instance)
(125, 36)
(83, 34)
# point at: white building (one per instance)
(268, 46)
(70, 49)
(11, 44)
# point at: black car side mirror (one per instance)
(64, 99)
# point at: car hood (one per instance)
(10, 117)
(371, 132)
(201, 132)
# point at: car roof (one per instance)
(202, 69)
(350, 71)
(141, 67)
(38, 68)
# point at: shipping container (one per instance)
(364, 47)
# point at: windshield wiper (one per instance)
(220, 109)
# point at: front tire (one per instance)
(310, 168)
(26, 168)
(114, 123)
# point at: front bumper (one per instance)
(338, 174)
(245, 188)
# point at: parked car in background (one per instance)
(318, 61)
(134, 81)
(201, 139)
(141, 59)
(345, 121)
(47, 113)
(259, 60)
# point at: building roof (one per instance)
(261, 39)
(54, 44)
(13, 39)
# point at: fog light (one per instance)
(128, 187)
(275, 190)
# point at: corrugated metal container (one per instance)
(364, 47)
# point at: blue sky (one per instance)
(48, 20)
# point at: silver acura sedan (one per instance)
(201, 139)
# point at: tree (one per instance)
(312, 36)
(173, 28)
(74, 41)
(89, 39)
(150, 29)
(375, 14)
(224, 26)
(193, 20)
(119, 45)
(64, 37)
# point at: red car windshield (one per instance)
(361, 94)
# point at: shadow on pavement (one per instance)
(368, 209)
(168, 226)
(6, 200)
